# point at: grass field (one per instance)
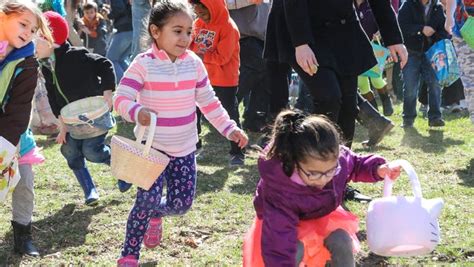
(68, 232)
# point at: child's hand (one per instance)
(61, 138)
(239, 137)
(389, 169)
(144, 116)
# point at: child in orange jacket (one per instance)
(216, 41)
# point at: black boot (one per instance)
(23, 239)
(376, 124)
(386, 102)
(353, 194)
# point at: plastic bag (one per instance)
(381, 54)
(467, 31)
(442, 57)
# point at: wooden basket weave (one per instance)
(135, 162)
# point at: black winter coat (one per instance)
(331, 29)
(412, 19)
(80, 74)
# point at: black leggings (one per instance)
(334, 96)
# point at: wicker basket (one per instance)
(136, 163)
(88, 117)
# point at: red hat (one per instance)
(58, 26)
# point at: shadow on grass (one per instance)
(216, 154)
(467, 174)
(373, 260)
(433, 143)
(66, 228)
(216, 181)
(47, 142)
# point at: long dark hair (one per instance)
(297, 137)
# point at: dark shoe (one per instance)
(237, 160)
(386, 104)
(376, 124)
(85, 180)
(23, 240)
(354, 194)
(407, 124)
(123, 186)
(436, 123)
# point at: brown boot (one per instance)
(371, 98)
(386, 101)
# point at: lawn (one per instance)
(68, 232)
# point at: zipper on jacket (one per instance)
(175, 68)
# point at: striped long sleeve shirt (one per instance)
(172, 90)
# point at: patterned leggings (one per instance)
(180, 175)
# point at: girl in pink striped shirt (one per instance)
(170, 81)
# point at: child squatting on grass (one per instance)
(168, 80)
(304, 172)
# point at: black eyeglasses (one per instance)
(315, 175)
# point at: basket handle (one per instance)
(415, 183)
(151, 134)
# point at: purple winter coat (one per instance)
(281, 203)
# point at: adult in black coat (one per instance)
(325, 44)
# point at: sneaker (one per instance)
(152, 237)
(353, 194)
(128, 261)
(123, 186)
(237, 160)
(436, 123)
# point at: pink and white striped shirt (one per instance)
(172, 90)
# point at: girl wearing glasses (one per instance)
(304, 172)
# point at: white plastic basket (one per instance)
(80, 116)
(135, 162)
(403, 226)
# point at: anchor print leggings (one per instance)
(180, 176)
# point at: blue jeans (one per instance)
(418, 67)
(140, 14)
(119, 52)
(77, 151)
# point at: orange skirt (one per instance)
(310, 232)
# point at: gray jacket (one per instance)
(251, 20)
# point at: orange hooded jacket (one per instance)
(218, 41)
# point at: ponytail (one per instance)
(297, 137)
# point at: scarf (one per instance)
(8, 66)
(25, 51)
(92, 24)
